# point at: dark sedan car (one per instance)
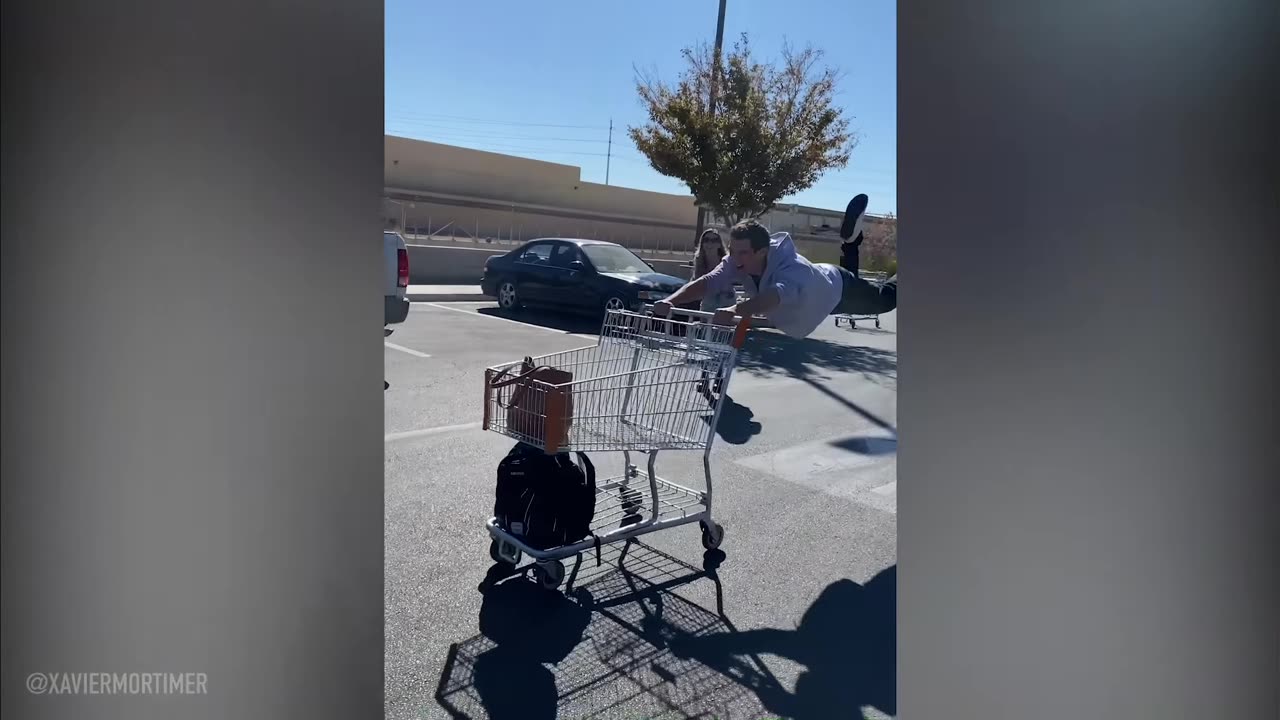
(578, 275)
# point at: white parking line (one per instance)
(509, 320)
(442, 429)
(890, 488)
(404, 349)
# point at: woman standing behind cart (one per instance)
(707, 255)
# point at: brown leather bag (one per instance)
(536, 410)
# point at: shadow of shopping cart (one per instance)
(606, 652)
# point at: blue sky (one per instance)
(543, 79)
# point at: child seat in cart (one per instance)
(641, 389)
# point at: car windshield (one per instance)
(615, 259)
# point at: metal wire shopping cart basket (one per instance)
(645, 386)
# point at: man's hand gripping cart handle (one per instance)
(743, 324)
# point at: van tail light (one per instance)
(402, 268)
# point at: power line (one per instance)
(490, 121)
(455, 138)
(517, 148)
(477, 144)
(461, 132)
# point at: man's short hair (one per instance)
(752, 231)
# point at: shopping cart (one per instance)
(638, 390)
(853, 320)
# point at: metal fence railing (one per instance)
(434, 223)
(457, 225)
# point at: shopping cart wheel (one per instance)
(712, 535)
(549, 574)
(504, 553)
(877, 323)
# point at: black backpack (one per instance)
(545, 500)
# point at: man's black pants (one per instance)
(860, 297)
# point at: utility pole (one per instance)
(715, 82)
(609, 156)
(715, 71)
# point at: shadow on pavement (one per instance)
(736, 425)
(767, 352)
(527, 627)
(600, 652)
(847, 642)
(623, 644)
(806, 359)
(867, 415)
(567, 323)
(867, 330)
(870, 446)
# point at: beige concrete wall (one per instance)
(447, 220)
(417, 165)
(432, 167)
(502, 196)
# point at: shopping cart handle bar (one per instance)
(648, 307)
(743, 322)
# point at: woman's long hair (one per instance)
(700, 265)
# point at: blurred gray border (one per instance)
(192, 398)
(192, 448)
(1087, 491)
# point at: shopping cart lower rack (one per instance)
(853, 319)
(642, 388)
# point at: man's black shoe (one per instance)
(849, 228)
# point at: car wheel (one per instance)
(508, 297)
(616, 302)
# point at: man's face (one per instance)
(744, 258)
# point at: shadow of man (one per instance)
(811, 358)
(530, 627)
(736, 425)
(847, 641)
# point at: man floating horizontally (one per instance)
(781, 284)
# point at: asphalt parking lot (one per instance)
(794, 618)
